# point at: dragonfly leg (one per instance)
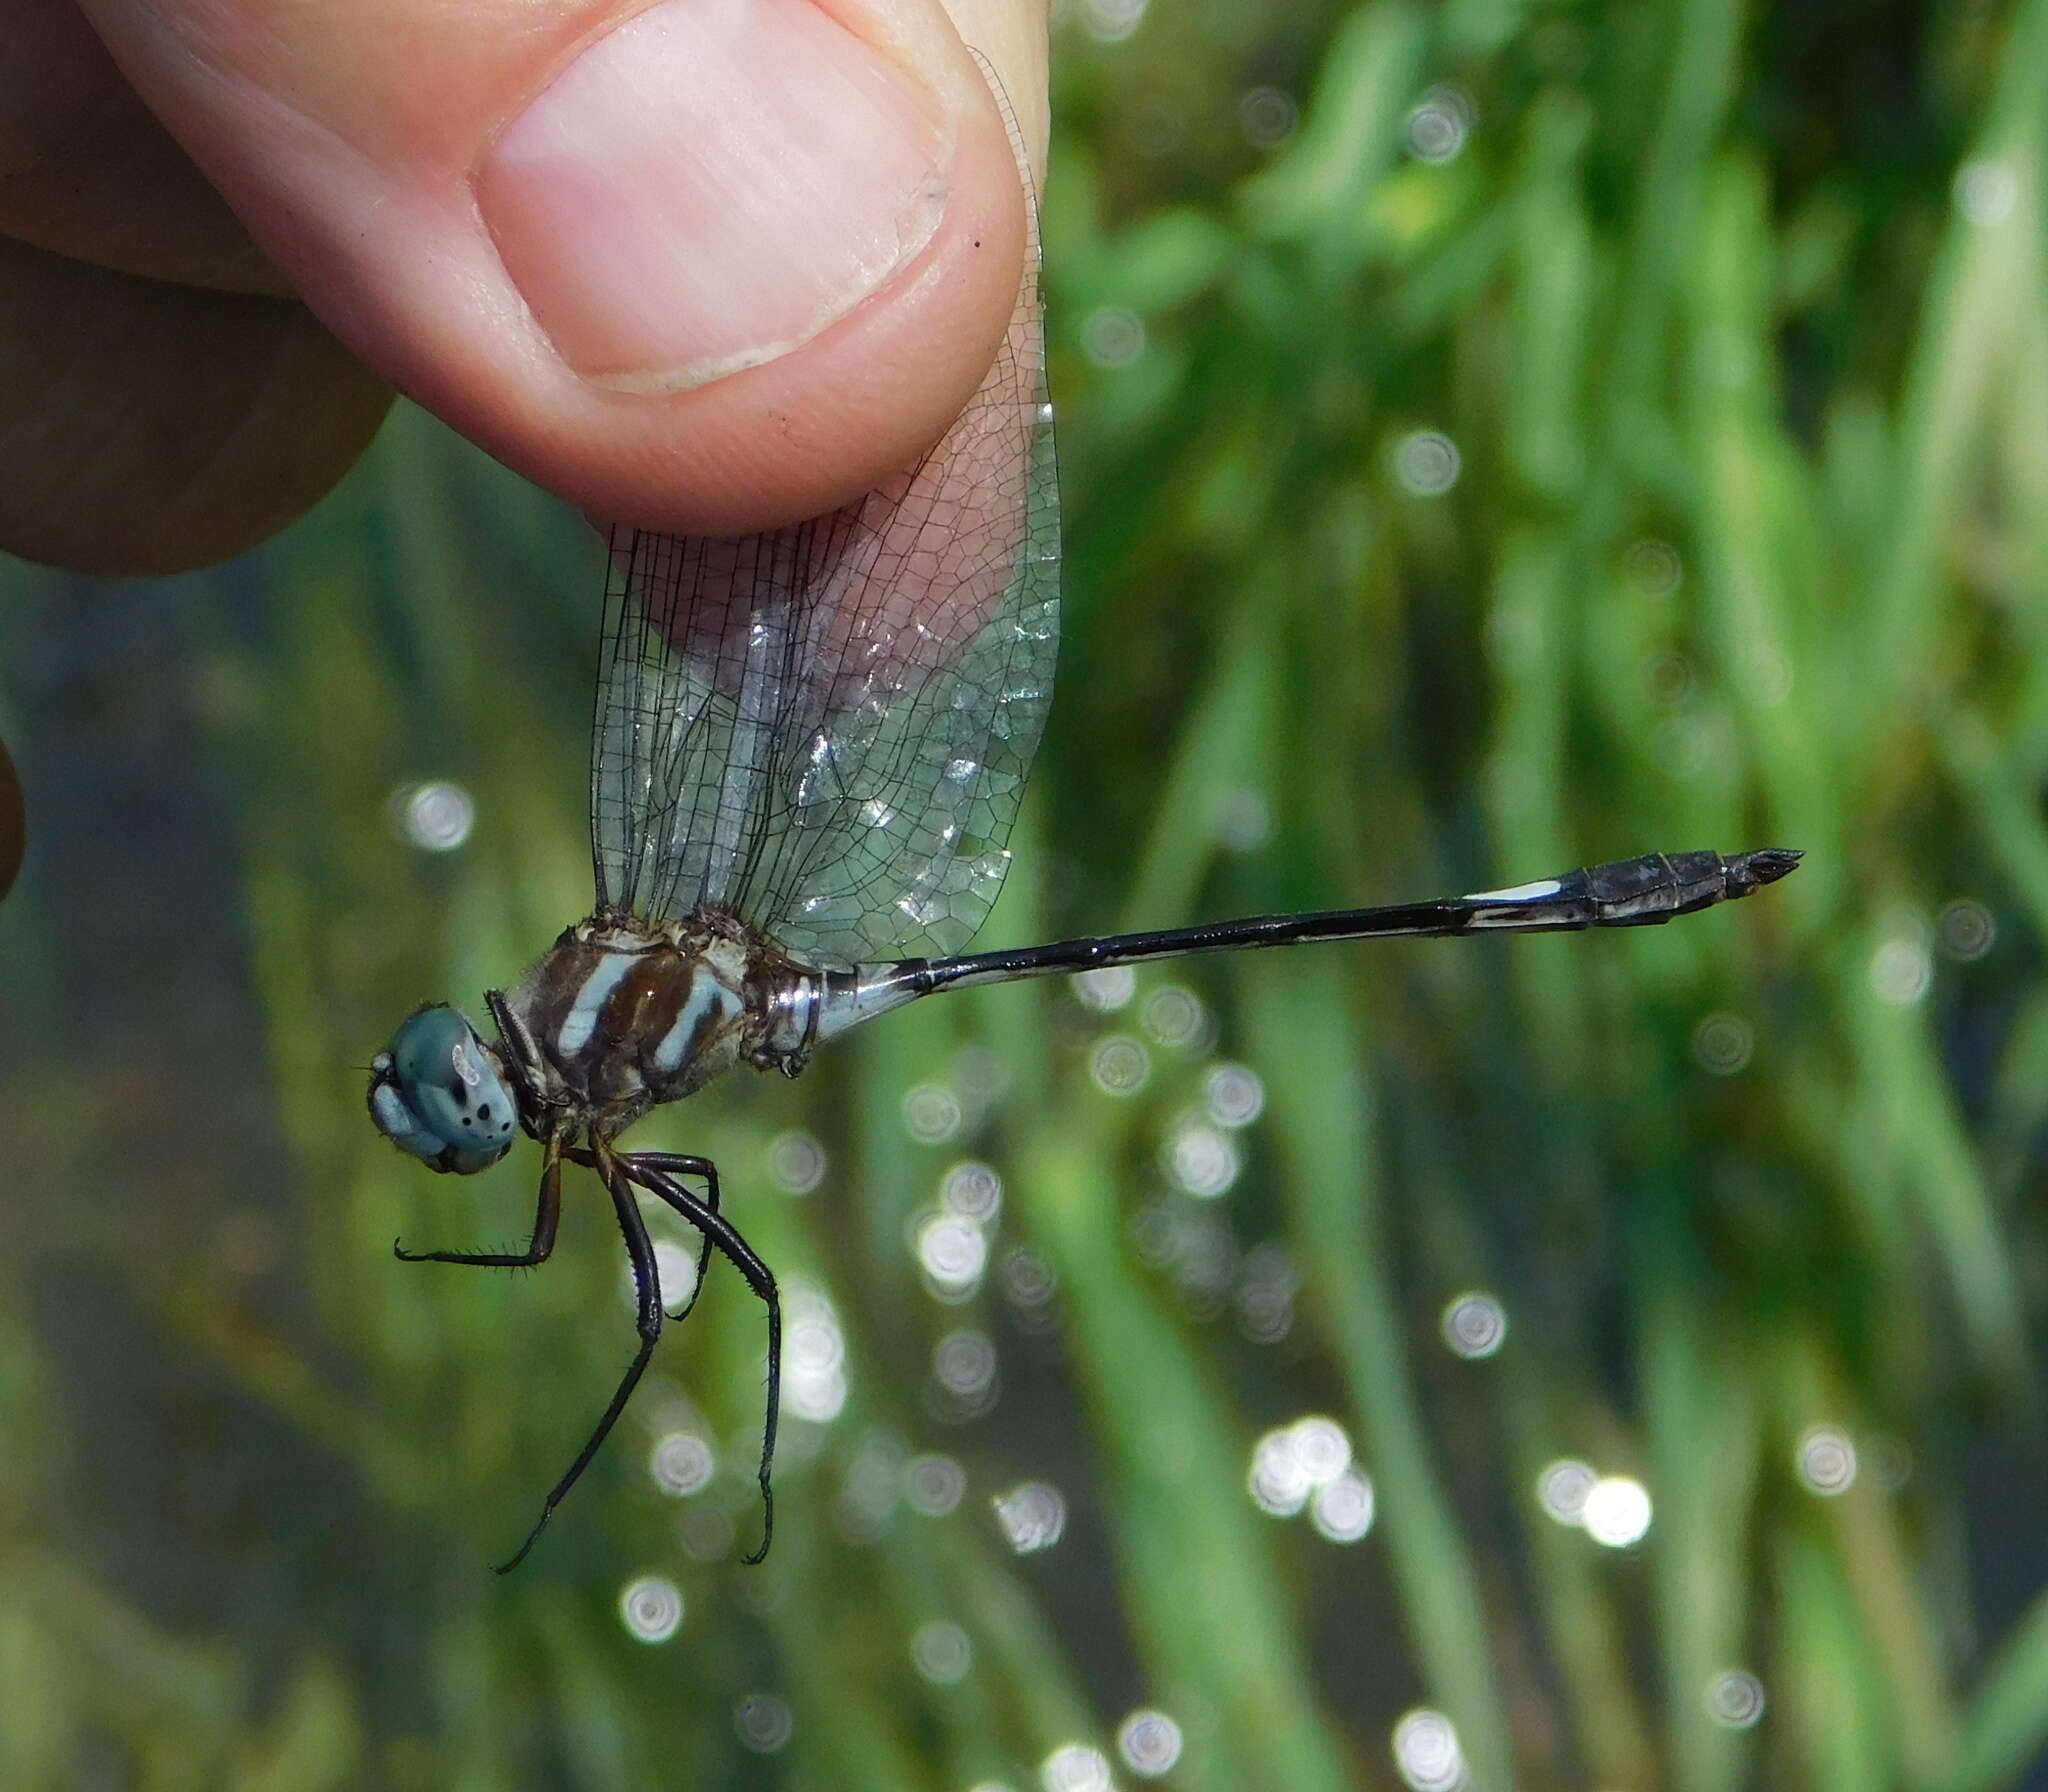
(521, 1053)
(676, 1163)
(647, 1169)
(546, 1218)
(647, 1281)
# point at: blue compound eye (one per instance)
(437, 1094)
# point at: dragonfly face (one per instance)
(437, 1094)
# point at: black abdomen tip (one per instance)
(1752, 870)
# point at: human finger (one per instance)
(708, 265)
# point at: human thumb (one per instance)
(704, 265)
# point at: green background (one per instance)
(1737, 322)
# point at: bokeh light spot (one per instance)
(1617, 1511)
(1826, 1460)
(941, 1652)
(953, 1255)
(1199, 1158)
(763, 1722)
(1671, 679)
(1438, 124)
(931, 1113)
(964, 1363)
(1323, 1447)
(1175, 1016)
(1735, 1699)
(1029, 1283)
(1033, 1516)
(1106, 988)
(1075, 1767)
(1289, 1463)
(1234, 1095)
(436, 816)
(934, 1485)
(1902, 968)
(813, 1354)
(1267, 117)
(1427, 463)
(1654, 567)
(1474, 1325)
(1266, 1292)
(1113, 336)
(1722, 1044)
(974, 1192)
(1342, 1511)
(675, 1268)
(1968, 930)
(1150, 1743)
(1111, 21)
(1561, 1490)
(1426, 1752)
(796, 1163)
(682, 1463)
(1120, 1066)
(651, 1609)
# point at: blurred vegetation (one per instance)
(1735, 323)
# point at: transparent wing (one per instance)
(826, 730)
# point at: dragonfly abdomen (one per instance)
(1639, 892)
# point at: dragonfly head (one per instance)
(438, 1094)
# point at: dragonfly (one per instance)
(808, 749)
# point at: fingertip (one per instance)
(815, 428)
(801, 431)
(458, 192)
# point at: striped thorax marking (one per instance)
(620, 1019)
(579, 1025)
(708, 1004)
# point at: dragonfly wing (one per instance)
(827, 729)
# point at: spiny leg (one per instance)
(521, 1052)
(545, 1220)
(676, 1163)
(646, 1168)
(647, 1281)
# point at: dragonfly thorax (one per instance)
(618, 1018)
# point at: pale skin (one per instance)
(229, 229)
